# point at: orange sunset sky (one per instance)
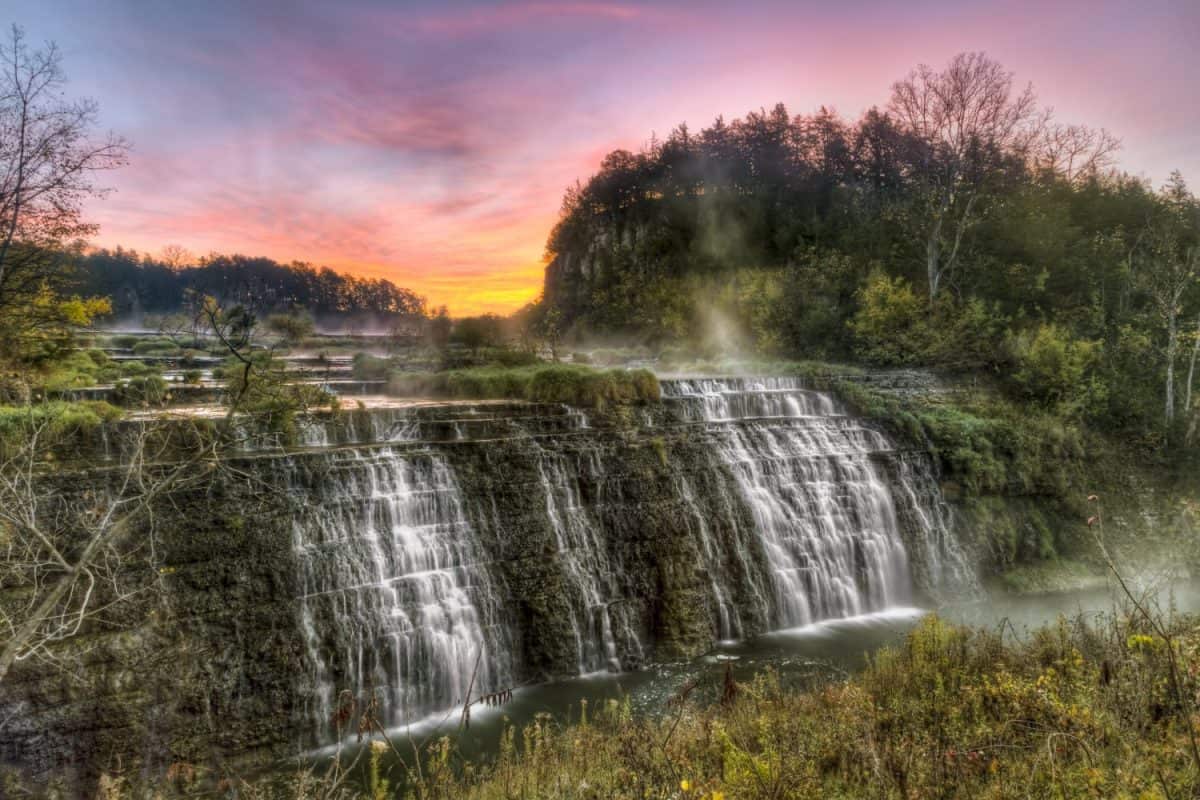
(430, 142)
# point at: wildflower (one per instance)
(686, 785)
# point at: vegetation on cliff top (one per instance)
(955, 228)
(548, 383)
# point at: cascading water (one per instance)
(822, 507)
(790, 511)
(397, 601)
(606, 633)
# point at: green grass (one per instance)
(550, 383)
(89, 368)
(685, 363)
(1076, 710)
(983, 443)
(55, 421)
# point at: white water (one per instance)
(396, 600)
(823, 507)
(797, 518)
(606, 633)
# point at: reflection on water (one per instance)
(799, 655)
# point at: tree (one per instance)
(176, 257)
(439, 328)
(1074, 152)
(49, 157)
(1171, 269)
(968, 127)
(293, 327)
(68, 553)
(474, 333)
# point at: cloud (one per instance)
(431, 142)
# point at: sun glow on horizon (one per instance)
(431, 145)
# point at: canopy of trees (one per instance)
(140, 284)
(958, 227)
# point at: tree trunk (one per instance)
(933, 260)
(1172, 347)
(1187, 392)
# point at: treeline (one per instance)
(139, 284)
(958, 227)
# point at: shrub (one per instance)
(147, 390)
(890, 328)
(156, 347)
(60, 421)
(1055, 369)
(1077, 709)
(557, 383)
(366, 367)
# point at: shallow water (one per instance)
(800, 656)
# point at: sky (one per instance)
(430, 142)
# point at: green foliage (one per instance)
(896, 327)
(1057, 370)
(292, 327)
(148, 390)
(260, 387)
(54, 422)
(80, 368)
(891, 324)
(156, 346)
(366, 367)
(985, 444)
(476, 332)
(1075, 709)
(41, 326)
(813, 237)
(558, 383)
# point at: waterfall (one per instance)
(604, 624)
(397, 599)
(821, 500)
(779, 510)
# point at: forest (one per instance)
(143, 284)
(959, 227)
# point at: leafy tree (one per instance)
(293, 327)
(475, 333)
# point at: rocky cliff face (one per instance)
(413, 553)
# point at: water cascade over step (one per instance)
(455, 549)
(822, 502)
(397, 602)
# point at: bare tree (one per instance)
(1075, 152)
(49, 157)
(967, 125)
(176, 256)
(65, 554)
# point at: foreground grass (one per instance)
(547, 383)
(1072, 711)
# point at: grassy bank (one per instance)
(1074, 710)
(547, 383)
